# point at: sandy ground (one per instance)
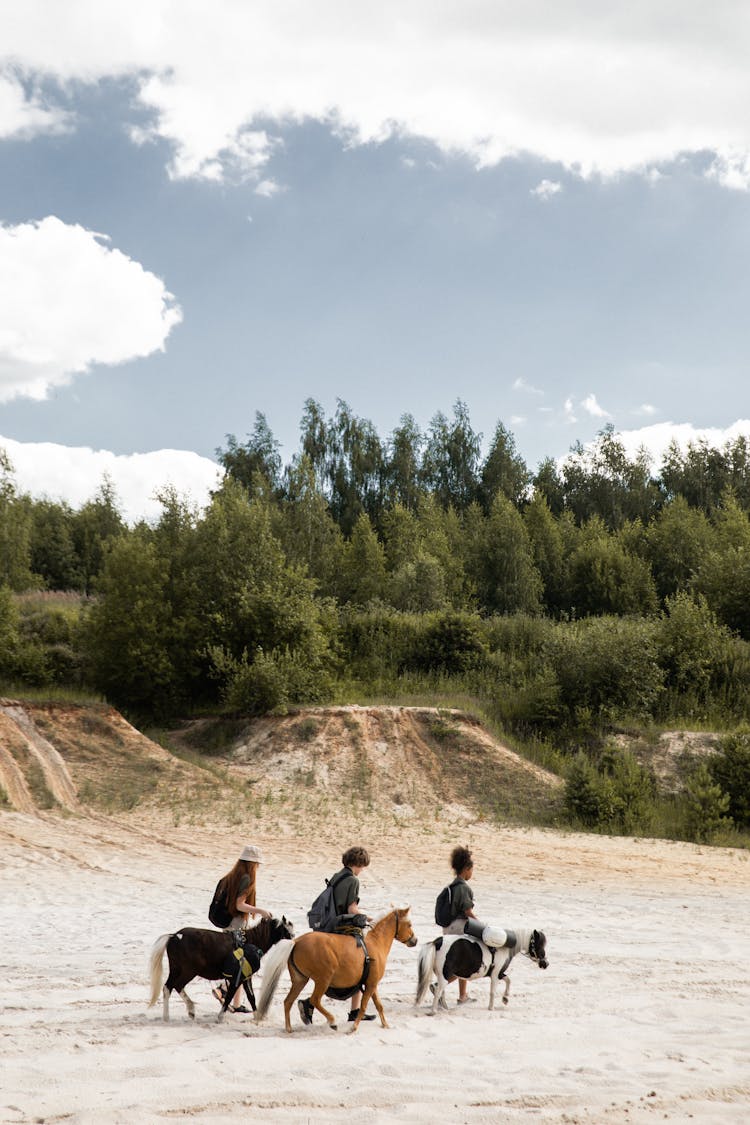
(641, 1016)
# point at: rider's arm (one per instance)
(243, 907)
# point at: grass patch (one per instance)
(307, 729)
(35, 780)
(51, 693)
(215, 736)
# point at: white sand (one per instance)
(643, 1014)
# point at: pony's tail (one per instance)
(155, 961)
(272, 966)
(426, 966)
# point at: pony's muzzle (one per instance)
(412, 941)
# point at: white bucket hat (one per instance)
(251, 854)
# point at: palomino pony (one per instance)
(205, 953)
(337, 964)
(467, 957)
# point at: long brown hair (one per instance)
(233, 879)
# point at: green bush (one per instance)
(730, 769)
(617, 796)
(606, 667)
(707, 805)
(449, 642)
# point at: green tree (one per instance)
(403, 463)
(724, 573)
(363, 577)
(53, 553)
(307, 531)
(451, 459)
(603, 481)
(605, 579)
(678, 541)
(501, 562)
(707, 805)
(730, 769)
(548, 552)
(126, 630)
(96, 524)
(692, 648)
(15, 531)
(504, 471)
(259, 455)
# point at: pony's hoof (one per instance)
(192, 1015)
(505, 999)
(334, 1027)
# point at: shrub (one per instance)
(730, 769)
(606, 666)
(707, 805)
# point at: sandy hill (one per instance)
(405, 760)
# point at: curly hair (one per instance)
(461, 858)
(356, 857)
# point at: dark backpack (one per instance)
(323, 910)
(444, 906)
(219, 912)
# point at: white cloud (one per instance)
(656, 438)
(592, 407)
(595, 88)
(569, 411)
(517, 419)
(546, 189)
(67, 302)
(520, 384)
(24, 114)
(61, 472)
(267, 188)
(646, 409)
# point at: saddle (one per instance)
(357, 934)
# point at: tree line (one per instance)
(567, 600)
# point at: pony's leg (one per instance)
(298, 983)
(507, 990)
(378, 1007)
(188, 1003)
(439, 996)
(250, 994)
(165, 1003)
(316, 999)
(492, 991)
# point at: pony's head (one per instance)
(538, 949)
(404, 931)
(282, 928)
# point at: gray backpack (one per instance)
(323, 911)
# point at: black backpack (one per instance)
(444, 906)
(219, 912)
(323, 910)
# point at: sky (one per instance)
(209, 210)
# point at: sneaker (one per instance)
(355, 1012)
(305, 1010)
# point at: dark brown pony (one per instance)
(335, 962)
(194, 952)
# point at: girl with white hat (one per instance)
(239, 886)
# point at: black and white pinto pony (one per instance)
(194, 952)
(458, 955)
